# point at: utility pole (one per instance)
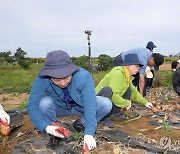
(37, 59)
(88, 32)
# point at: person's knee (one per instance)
(109, 105)
(104, 104)
(106, 92)
(45, 103)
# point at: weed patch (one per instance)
(163, 78)
(22, 105)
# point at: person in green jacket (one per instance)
(118, 87)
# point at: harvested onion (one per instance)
(154, 109)
(4, 130)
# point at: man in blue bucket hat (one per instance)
(64, 89)
(117, 85)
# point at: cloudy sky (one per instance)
(40, 26)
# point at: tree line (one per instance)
(17, 57)
(102, 63)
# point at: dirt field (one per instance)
(165, 66)
(12, 101)
(151, 126)
(140, 128)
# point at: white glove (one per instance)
(4, 117)
(53, 131)
(90, 141)
(128, 107)
(149, 105)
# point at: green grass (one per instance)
(98, 76)
(170, 59)
(13, 79)
(22, 105)
(16, 80)
(163, 78)
(77, 136)
(166, 127)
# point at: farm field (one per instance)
(151, 127)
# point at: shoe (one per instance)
(78, 126)
(107, 122)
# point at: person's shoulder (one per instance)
(144, 50)
(81, 73)
(139, 51)
(41, 79)
(117, 69)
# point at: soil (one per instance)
(12, 101)
(165, 66)
(140, 128)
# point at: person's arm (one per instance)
(118, 83)
(36, 94)
(141, 84)
(89, 101)
(90, 104)
(136, 96)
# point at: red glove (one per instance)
(86, 149)
(61, 130)
(5, 123)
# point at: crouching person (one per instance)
(176, 81)
(117, 86)
(64, 89)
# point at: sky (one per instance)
(41, 26)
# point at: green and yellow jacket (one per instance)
(120, 80)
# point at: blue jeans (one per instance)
(51, 111)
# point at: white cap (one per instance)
(178, 61)
(148, 73)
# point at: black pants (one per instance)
(107, 92)
(136, 83)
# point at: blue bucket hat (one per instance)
(131, 59)
(150, 45)
(58, 65)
